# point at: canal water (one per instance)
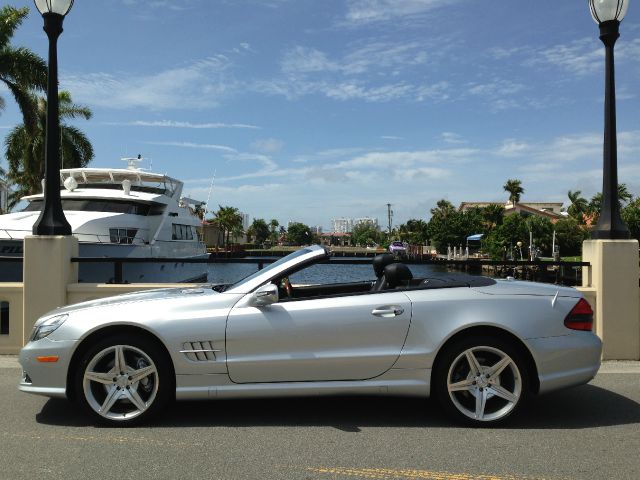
(316, 274)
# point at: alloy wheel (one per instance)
(484, 383)
(120, 382)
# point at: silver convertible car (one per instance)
(481, 346)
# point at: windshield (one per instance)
(291, 256)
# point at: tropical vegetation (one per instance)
(21, 70)
(25, 74)
(229, 221)
(25, 147)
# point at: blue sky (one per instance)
(310, 110)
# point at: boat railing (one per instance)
(126, 239)
(12, 234)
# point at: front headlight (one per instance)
(47, 326)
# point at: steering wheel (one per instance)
(286, 285)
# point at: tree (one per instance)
(579, 206)
(569, 236)
(229, 220)
(365, 234)
(515, 190)
(273, 226)
(299, 234)
(541, 230)
(25, 148)
(595, 205)
(414, 231)
(631, 216)
(259, 231)
(20, 69)
(449, 227)
(503, 238)
(493, 215)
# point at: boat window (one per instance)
(94, 205)
(122, 235)
(182, 232)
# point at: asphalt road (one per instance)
(590, 432)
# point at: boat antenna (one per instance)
(133, 162)
(206, 207)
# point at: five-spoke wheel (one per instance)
(123, 380)
(481, 380)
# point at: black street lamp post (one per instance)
(608, 14)
(52, 220)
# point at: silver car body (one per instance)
(223, 345)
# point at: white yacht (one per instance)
(125, 212)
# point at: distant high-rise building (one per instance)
(342, 225)
(245, 221)
(346, 225)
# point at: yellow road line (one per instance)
(402, 474)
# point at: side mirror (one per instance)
(265, 295)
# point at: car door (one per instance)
(350, 337)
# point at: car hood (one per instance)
(155, 294)
(515, 287)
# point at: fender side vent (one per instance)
(199, 351)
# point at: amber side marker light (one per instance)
(580, 317)
(50, 359)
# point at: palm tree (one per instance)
(25, 149)
(514, 187)
(229, 220)
(579, 205)
(595, 205)
(273, 225)
(20, 69)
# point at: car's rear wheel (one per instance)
(481, 381)
(123, 380)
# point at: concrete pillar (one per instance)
(614, 276)
(47, 272)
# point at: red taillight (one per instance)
(580, 317)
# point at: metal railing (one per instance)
(529, 270)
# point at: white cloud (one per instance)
(580, 57)
(496, 87)
(197, 85)
(513, 148)
(176, 124)
(374, 11)
(268, 145)
(391, 137)
(203, 146)
(453, 138)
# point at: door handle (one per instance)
(392, 311)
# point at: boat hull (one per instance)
(89, 272)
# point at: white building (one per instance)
(346, 225)
(245, 221)
(342, 225)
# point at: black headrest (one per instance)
(381, 261)
(397, 274)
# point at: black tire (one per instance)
(497, 397)
(130, 401)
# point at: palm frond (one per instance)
(10, 20)
(22, 66)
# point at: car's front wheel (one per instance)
(123, 380)
(481, 380)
